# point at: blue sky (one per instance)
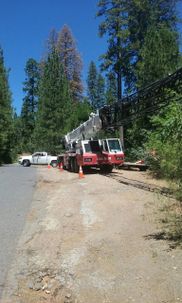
(25, 26)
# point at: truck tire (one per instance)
(72, 165)
(26, 163)
(69, 165)
(142, 168)
(76, 167)
(106, 169)
(54, 164)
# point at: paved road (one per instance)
(16, 190)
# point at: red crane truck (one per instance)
(82, 150)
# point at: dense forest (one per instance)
(143, 45)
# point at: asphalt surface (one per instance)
(16, 192)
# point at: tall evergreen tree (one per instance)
(115, 27)
(30, 101)
(101, 98)
(6, 119)
(52, 41)
(126, 24)
(164, 44)
(153, 20)
(154, 50)
(92, 84)
(54, 108)
(71, 61)
(95, 87)
(111, 89)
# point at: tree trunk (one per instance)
(119, 80)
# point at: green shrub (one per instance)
(165, 145)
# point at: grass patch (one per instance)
(171, 222)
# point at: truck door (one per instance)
(35, 158)
(42, 159)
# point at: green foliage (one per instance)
(6, 115)
(165, 142)
(142, 40)
(92, 84)
(96, 87)
(111, 89)
(100, 91)
(135, 154)
(80, 113)
(115, 27)
(54, 116)
(153, 40)
(83, 111)
(136, 134)
(17, 139)
(171, 219)
(162, 42)
(30, 103)
(154, 53)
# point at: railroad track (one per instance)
(116, 175)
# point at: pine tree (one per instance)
(126, 24)
(6, 119)
(95, 87)
(92, 84)
(154, 51)
(111, 89)
(52, 41)
(101, 100)
(17, 141)
(162, 43)
(30, 102)
(153, 20)
(55, 106)
(115, 27)
(83, 109)
(71, 61)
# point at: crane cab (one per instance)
(112, 152)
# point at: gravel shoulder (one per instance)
(88, 240)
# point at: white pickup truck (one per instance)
(38, 158)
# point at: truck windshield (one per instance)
(114, 145)
(87, 147)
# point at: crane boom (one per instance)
(85, 131)
(150, 99)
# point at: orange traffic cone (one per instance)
(48, 166)
(61, 166)
(81, 175)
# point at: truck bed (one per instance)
(131, 165)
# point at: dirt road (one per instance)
(88, 241)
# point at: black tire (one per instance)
(26, 163)
(69, 165)
(76, 167)
(72, 165)
(54, 164)
(106, 169)
(142, 168)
